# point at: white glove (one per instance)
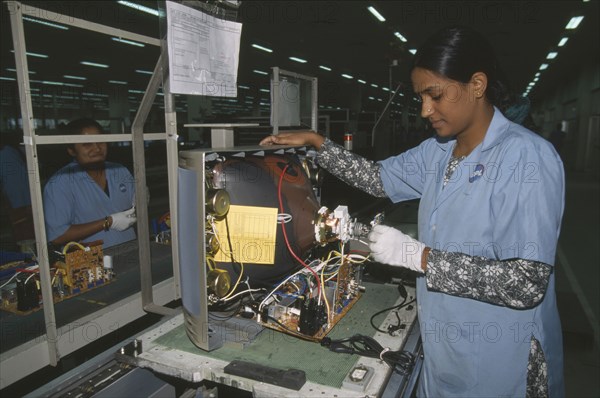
(123, 220)
(390, 246)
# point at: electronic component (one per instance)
(312, 317)
(338, 225)
(359, 377)
(76, 270)
(218, 282)
(270, 254)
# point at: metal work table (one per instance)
(167, 350)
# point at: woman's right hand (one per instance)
(297, 138)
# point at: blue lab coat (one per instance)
(505, 200)
(13, 178)
(71, 196)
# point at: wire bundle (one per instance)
(401, 361)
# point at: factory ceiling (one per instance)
(340, 35)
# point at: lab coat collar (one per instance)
(493, 136)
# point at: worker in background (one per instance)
(492, 197)
(89, 199)
(14, 182)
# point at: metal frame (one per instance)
(20, 361)
(277, 73)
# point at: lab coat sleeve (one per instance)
(351, 168)
(58, 208)
(527, 202)
(404, 175)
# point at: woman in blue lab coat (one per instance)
(492, 198)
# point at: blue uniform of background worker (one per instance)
(89, 199)
(14, 182)
(492, 198)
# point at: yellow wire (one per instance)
(236, 283)
(79, 245)
(325, 296)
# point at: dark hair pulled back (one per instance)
(457, 53)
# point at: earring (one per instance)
(429, 110)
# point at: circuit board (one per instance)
(305, 318)
(77, 271)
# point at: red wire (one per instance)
(286, 237)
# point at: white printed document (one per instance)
(203, 52)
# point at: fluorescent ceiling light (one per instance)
(139, 7)
(244, 87)
(347, 76)
(117, 82)
(538, 74)
(262, 48)
(325, 68)
(574, 22)
(362, 81)
(51, 83)
(264, 90)
(74, 77)
(413, 51)
(563, 41)
(260, 72)
(399, 35)
(97, 65)
(302, 61)
(14, 70)
(37, 55)
(135, 91)
(7, 78)
(551, 55)
(41, 22)
(72, 85)
(95, 95)
(143, 72)
(374, 85)
(535, 79)
(379, 99)
(543, 66)
(133, 43)
(385, 89)
(376, 13)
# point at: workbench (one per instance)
(167, 350)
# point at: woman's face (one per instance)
(89, 153)
(448, 105)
